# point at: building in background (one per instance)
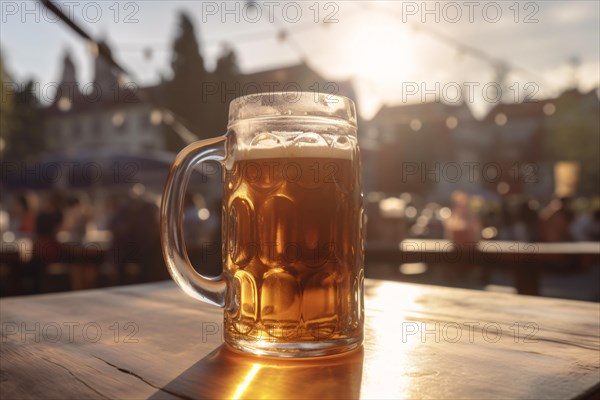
(530, 138)
(428, 149)
(433, 149)
(103, 116)
(417, 146)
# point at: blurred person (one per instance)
(115, 218)
(492, 217)
(525, 224)
(463, 226)
(507, 220)
(435, 228)
(555, 221)
(22, 217)
(135, 250)
(75, 221)
(76, 218)
(594, 230)
(145, 239)
(102, 215)
(105, 211)
(586, 226)
(50, 217)
(46, 248)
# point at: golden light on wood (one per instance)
(420, 342)
(242, 387)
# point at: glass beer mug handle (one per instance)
(210, 290)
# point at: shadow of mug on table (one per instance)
(226, 373)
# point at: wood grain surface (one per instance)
(151, 341)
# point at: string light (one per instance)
(416, 125)
(451, 122)
(500, 119)
(283, 35)
(549, 109)
(148, 52)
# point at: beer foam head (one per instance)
(305, 145)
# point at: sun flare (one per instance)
(383, 50)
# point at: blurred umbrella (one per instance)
(90, 170)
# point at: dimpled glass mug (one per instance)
(292, 225)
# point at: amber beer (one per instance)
(292, 225)
(293, 245)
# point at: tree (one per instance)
(184, 91)
(226, 80)
(20, 120)
(6, 109)
(227, 67)
(187, 60)
(26, 136)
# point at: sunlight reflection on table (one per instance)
(227, 373)
(384, 330)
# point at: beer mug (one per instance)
(292, 225)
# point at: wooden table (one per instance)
(151, 341)
(527, 261)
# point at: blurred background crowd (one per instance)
(83, 169)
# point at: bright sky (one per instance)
(385, 47)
